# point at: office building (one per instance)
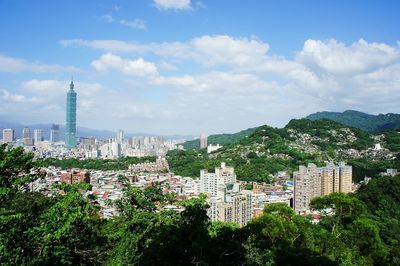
(120, 136)
(54, 133)
(203, 141)
(37, 135)
(26, 137)
(70, 127)
(8, 135)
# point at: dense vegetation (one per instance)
(97, 164)
(366, 122)
(359, 229)
(268, 150)
(221, 139)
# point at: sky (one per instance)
(197, 66)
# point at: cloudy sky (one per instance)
(193, 66)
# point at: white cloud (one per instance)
(16, 65)
(208, 50)
(55, 88)
(167, 66)
(10, 97)
(223, 49)
(108, 45)
(216, 82)
(137, 67)
(135, 24)
(337, 58)
(173, 4)
(219, 81)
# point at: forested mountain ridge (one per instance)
(269, 150)
(364, 121)
(221, 139)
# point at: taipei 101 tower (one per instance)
(70, 127)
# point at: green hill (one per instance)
(221, 139)
(269, 150)
(366, 122)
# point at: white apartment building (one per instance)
(215, 184)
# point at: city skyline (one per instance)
(188, 67)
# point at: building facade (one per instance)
(203, 141)
(8, 135)
(307, 183)
(311, 182)
(37, 135)
(26, 136)
(215, 184)
(54, 133)
(70, 135)
(71, 177)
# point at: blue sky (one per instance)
(187, 67)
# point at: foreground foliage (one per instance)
(359, 229)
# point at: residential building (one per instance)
(310, 182)
(307, 185)
(203, 141)
(211, 148)
(71, 177)
(233, 207)
(215, 184)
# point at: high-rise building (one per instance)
(215, 183)
(336, 178)
(346, 178)
(310, 182)
(120, 136)
(54, 133)
(26, 136)
(203, 141)
(8, 135)
(70, 135)
(307, 185)
(234, 207)
(37, 135)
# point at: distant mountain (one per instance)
(367, 122)
(81, 131)
(221, 139)
(268, 150)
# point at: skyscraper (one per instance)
(120, 136)
(37, 135)
(54, 133)
(70, 135)
(26, 136)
